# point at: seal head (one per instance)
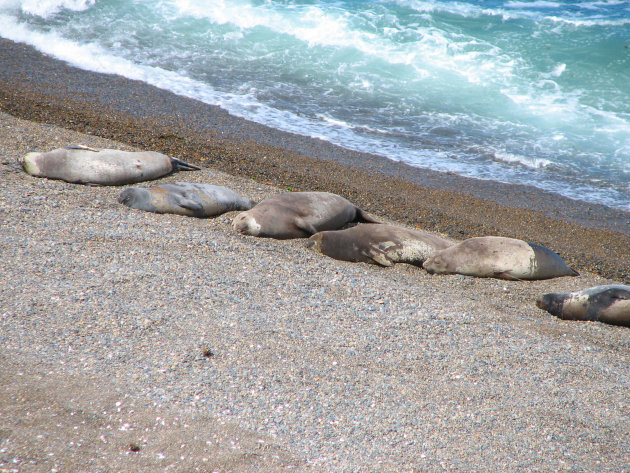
(552, 302)
(246, 224)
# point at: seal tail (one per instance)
(179, 165)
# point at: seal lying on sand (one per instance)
(105, 167)
(378, 244)
(299, 215)
(609, 304)
(498, 257)
(184, 198)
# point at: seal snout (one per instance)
(134, 197)
(431, 264)
(29, 163)
(246, 224)
(315, 242)
(552, 302)
(125, 196)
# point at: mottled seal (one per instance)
(185, 198)
(378, 244)
(299, 215)
(105, 167)
(498, 257)
(609, 304)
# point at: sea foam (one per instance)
(493, 89)
(46, 8)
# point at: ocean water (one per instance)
(531, 92)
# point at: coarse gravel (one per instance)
(141, 342)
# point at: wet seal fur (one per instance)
(609, 304)
(299, 215)
(498, 257)
(106, 167)
(378, 244)
(185, 198)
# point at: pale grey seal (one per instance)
(498, 257)
(185, 198)
(105, 167)
(299, 215)
(378, 244)
(609, 304)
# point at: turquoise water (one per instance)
(533, 92)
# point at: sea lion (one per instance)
(299, 215)
(105, 167)
(185, 198)
(498, 257)
(378, 244)
(609, 304)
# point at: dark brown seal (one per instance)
(378, 244)
(299, 215)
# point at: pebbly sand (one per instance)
(141, 342)
(35, 87)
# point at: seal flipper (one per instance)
(557, 266)
(179, 165)
(187, 203)
(572, 272)
(365, 217)
(307, 227)
(86, 148)
(380, 257)
(506, 275)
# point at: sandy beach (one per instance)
(142, 342)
